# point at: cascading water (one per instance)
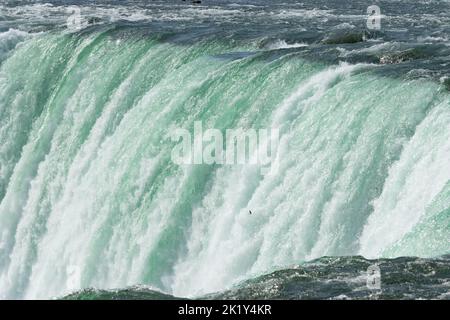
(87, 180)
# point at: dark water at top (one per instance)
(414, 36)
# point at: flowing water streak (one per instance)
(87, 181)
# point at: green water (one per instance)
(87, 181)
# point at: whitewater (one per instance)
(86, 177)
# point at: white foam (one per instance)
(282, 44)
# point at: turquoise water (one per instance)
(87, 182)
